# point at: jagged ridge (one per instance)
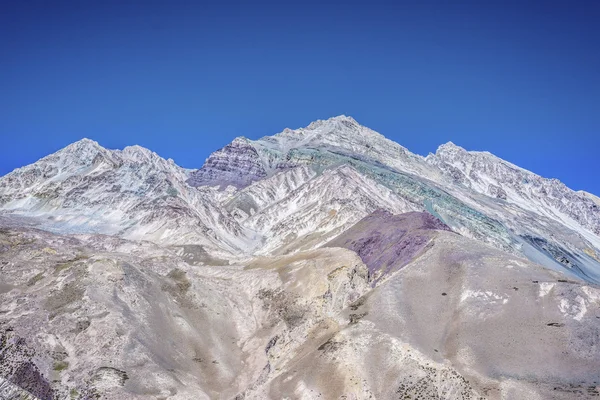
(299, 188)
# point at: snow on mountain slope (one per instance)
(488, 174)
(267, 192)
(132, 192)
(477, 194)
(552, 224)
(315, 211)
(342, 135)
(325, 145)
(299, 188)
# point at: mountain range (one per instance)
(321, 262)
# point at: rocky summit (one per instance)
(325, 262)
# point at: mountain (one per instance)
(320, 262)
(477, 194)
(132, 193)
(492, 176)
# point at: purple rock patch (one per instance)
(387, 242)
(237, 164)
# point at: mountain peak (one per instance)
(138, 153)
(84, 143)
(241, 141)
(343, 118)
(80, 152)
(334, 122)
(449, 147)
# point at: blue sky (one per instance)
(519, 79)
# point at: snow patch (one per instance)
(545, 288)
(483, 296)
(575, 309)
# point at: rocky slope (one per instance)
(407, 309)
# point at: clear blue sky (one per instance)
(519, 79)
